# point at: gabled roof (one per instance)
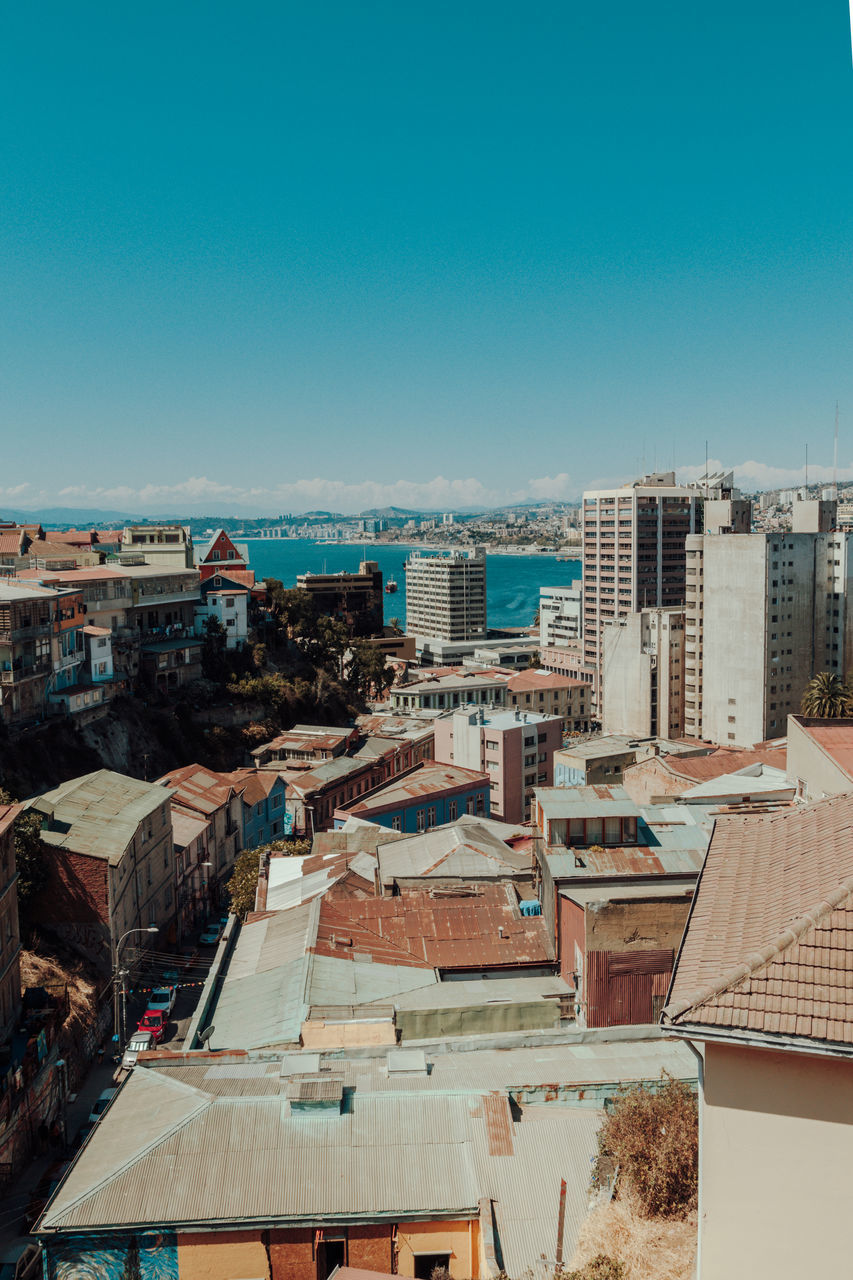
(199, 788)
(222, 542)
(463, 850)
(723, 760)
(254, 785)
(768, 947)
(97, 814)
(424, 781)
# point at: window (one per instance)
(275, 802)
(396, 824)
(452, 810)
(421, 819)
(431, 816)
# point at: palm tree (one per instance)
(827, 697)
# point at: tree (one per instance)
(243, 884)
(214, 661)
(29, 853)
(827, 697)
(368, 674)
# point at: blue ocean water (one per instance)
(512, 582)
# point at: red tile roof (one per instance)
(466, 928)
(532, 679)
(768, 947)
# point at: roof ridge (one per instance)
(764, 956)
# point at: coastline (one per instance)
(415, 546)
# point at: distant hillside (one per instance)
(81, 517)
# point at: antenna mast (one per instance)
(835, 457)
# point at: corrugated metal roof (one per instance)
(480, 991)
(464, 849)
(102, 811)
(425, 780)
(586, 802)
(168, 1154)
(338, 981)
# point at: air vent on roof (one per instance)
(316, 1095)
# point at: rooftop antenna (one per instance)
(706, 470)
(807, 467)
(835, 445)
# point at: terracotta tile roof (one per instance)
(834, 737)
(10, 542)
(532, 679)
(471, 927)
(769, 943)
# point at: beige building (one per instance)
(764, 612)
(643, 674)
(761, 991)
(446, 595)
(545, 691)
(164, 544)
(820, 756)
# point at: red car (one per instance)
(154, 1020)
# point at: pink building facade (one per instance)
(516, 750)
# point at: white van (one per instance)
(139, 1042)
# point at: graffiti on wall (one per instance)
(142, 1257)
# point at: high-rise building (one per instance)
(446, 595)
(560, 616)
(764, 613)
(633, 551)
(643, 674)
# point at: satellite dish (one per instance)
(205, 1035)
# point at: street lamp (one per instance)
(119, 1038)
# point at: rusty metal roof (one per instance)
(476, 927)
(425, 780)
(834, 737)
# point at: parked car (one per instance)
(138, 1043)
(162, 998)
(44, 1189)
(154, 1020)
(101, 1105)
(21, 1261)
(211, 936)
(80, 1137)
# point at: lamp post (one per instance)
(118, 1032)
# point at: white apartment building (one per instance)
(560, 615)
(643, 674)
(446, 595)
(764, 613)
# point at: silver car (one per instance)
(140, 1042)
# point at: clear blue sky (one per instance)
(431, 254)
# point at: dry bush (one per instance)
(645, 1248)
(652, 1135)
(601, 1267)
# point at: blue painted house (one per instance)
(262, 793)
(427, 796)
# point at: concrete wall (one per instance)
(627, 679)
(657, 923)
(809, 764)
(220, 1255)
(777, 1149)
(648, 778)
(460, 1238)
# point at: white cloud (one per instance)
(559, 487)
(753, 475)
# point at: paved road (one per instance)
(190, 970)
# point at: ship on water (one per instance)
(390, 587)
